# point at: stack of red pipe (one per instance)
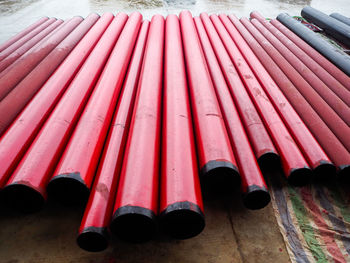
(133, 118)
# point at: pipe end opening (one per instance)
(221, 176)
(256, 197)
(93, 239)
(344, 173)
(23, 198)
(269, 161)
(182, 220)
(300, 176)
(68, 189)
(326, 171)
(134, 224)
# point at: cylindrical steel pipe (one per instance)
(320, 59)
(13, 74)
(334, 122)
(22, 132)
(335, 150)
(11, 58)
(181, 205)
(93, 232)
(217, 164)
(253, 187)
(332, 83)
(341, 18)
(72, 179)
(338, 58)
(26, 188)
(136, 204)
(330, 25)
(265, 152)
(294, 165)
(312, 151)
(25, 39)
(24, 91)
(22, 33)
(320, 87)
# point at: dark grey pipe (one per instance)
(330, 25)
(341, 18)
(335, 55)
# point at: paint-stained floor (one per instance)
(232, 234)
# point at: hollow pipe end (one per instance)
(68, 189)
(220, 175)
(23, 198)
(182, 220)
(256, 197)
(344, 173)
(93, 239)
(269, 161)
(134, 224)
(325, 171)
(300, 176)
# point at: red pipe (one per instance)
(19, 136)
(26, 188)
(294, 165)
(265, 152)
(335, 150)
(253, 187)
(216, 161)
(15, 54)
(325, 63)
(93, 231)
(24, 91)
(26, 38)
(181, 205)
(13, 74)
(22, 33)
(319, 88)
(336, 124)
(312, 151)
(72, 179)
(136, 203)
(323, 74)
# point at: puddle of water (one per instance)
(18, 14)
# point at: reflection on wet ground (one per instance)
(17, 14)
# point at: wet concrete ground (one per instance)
(232, 234)
(17, 14)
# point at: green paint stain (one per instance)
(335, 194)
(305, 227)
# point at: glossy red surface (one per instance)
(37, 165)
(138, 185)
(312, 151)
(23, 92)
(247, 164)
(332, 83)
(99, 208)
(212, 141)
(328, 141)
(21, 34)
(320, 88)
(18, 70)
(179, 171)
(325, 63)
(85, 145)
(16, 140)
(328, 115)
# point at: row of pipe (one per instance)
(136, 118)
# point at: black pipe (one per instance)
(341, 18)
(330, 25)
(335, 55)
